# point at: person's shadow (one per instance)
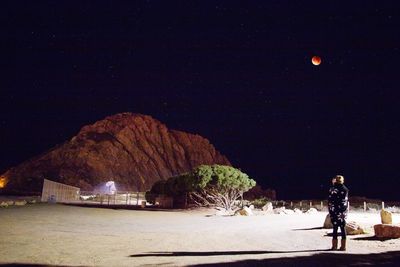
(217, 253)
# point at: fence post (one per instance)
(365, 206)
(301, 204)
(291, 204)
(322, 205)
(383, 205)
(310, 204)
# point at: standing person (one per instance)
(338, 206)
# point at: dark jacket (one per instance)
(338, 204)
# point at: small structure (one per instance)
(58, 192)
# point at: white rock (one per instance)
(3, 204)
(312, 211)
(246, 211)
(251, 207)
(297, 211)
(268, 207)
(20, 203)
(279, 210)
(288, 211)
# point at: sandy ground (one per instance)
(46, 234)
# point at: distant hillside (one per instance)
(134, 150)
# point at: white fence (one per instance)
(58, 192)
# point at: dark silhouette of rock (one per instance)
(133, 150)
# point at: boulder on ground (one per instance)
(20, 203)
(279, 210)
(268, 207)
(297, 211)
(288, 211)
(386, 217)
(3, 204)
(328, 223)
(246, 211)
(312, 211)
(387, 231)
(353, 228)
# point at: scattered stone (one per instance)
(288, 211)
(268, 207)
(386, 217)
(3, 204)
(20, 203)
(279, 210)
(387, 231)
(246, 211)
(328, 223)
(297, 211)
(32, 201)
(353, 228)
(312, 211)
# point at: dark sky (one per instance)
(237, 73)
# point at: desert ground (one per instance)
(62, 235)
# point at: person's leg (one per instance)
(343, 234)
(334, 237)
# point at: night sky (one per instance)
(237, 73)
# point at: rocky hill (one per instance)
(131, 149)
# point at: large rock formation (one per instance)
(131, 149)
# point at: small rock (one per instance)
(353, 228)
(297, 211)
(312, 211)
(386, 217)
(20, 203)
(279, 210)
(246, 211)
(328, 223)
(32, 201)
(251, 207)
(288, 211)
(268, 207)
(3, 204)
(387, 231)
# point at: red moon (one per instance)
(316, 60)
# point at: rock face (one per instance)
(386, 217)
(131, 149)
(387, 231)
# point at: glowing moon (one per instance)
(316, 60)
